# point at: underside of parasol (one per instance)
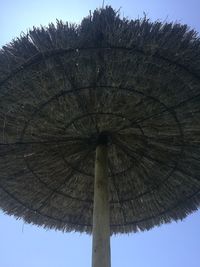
(123, 91)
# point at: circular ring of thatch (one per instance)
(66, 89)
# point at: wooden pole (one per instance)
(101, 211)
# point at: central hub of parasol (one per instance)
(103, 138)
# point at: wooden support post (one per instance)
(101, 212)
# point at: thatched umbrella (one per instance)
(113, 99)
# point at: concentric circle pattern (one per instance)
(54, 106)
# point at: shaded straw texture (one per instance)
(65, 87)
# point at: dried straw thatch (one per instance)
(131, 83)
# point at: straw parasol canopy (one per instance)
(131, 86)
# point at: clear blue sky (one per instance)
(23, 245)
